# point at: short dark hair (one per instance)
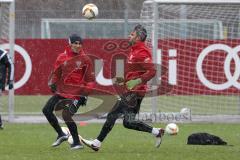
(75, 37)
(141, 32)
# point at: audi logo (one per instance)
(232, 79)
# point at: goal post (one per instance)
(197, 41)
(7, 41)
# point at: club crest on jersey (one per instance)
(78, 64)
(65, 63)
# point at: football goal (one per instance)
(197, 41)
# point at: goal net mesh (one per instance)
(203, 40)
(4, 22)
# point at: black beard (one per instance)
(131, 43)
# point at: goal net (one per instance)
(7, 25)
(197, 42)
(99, 28)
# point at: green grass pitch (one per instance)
(198, 104)
(33, 142)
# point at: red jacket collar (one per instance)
(138, 44)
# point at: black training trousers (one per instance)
(48, 110)
(128, 108)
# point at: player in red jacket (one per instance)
(72, 79)
(140, 70)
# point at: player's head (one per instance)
(75, 42)
(139, 33)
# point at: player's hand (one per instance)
(82, 101)
(73, 107)
(118, 80)
(53, 87)
(10, 85)
(133, 83)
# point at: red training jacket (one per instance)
(73, 74)
(140, 65)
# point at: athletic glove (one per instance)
(10, 85)
(82, 101)
(77, 103)
(133, 83)
(53, 87)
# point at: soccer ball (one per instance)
(70, 139)
(90, 11)
(66, 131)
(172, 129)
(185, 110)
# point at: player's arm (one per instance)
(10, 68)
(149, 71)
(56, 74)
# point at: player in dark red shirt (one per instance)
(72, 79)
(140, 70)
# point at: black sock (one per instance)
(74, 132)
(0, 120)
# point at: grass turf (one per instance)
(33, 141)
(198, 104)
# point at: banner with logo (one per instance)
(188, 67)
